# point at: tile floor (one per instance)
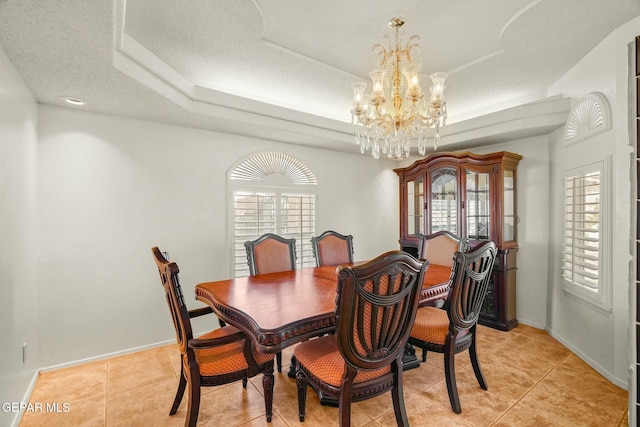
(533, 381)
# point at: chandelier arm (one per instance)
(379, 51)
(407, 119)
(412, 43)
(380, 115)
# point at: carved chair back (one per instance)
(377, 304)
(470, 280)
(173, 292)
(270, 253)
(439, 247)
(332, 248)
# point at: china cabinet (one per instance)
(472, 196)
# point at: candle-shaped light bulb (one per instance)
(413, 80)
(377, 78)
(358, 97)
(437, 90)
(358, 92)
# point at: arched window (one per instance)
(272, 192)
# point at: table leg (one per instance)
(409, 360)
(292, 368)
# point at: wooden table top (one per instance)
(281, 309)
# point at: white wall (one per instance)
(18, 290)
(599, 338)
(111, 188)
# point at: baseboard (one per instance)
(105, 356)
(617, 381)
(27, 395)
(532, 324)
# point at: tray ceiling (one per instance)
(282, 69)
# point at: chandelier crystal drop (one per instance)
(396, 111)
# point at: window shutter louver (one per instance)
(582, 225)
(298, 221)
(254, 215)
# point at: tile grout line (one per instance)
(485, 354)
(569, 391)
(536, 383)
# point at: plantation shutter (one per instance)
(288, 215)
(253, 215)
(298, 221)
(582, 225)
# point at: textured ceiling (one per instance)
(282, 69)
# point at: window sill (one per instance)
(601, 308)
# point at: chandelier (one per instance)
(396, 111)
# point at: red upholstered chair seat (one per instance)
(432, 325)
(322, 359)
(227, 358)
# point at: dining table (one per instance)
(277, 310)
(280, 309)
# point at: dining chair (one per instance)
(218, 357)
(452, 329)
(271, 253)
(376, 306)
(439, 247)
(332, 248)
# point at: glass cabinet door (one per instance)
(478, 206)
(509, 203)
(415, 206)
(444, 200)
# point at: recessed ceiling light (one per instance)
(73, 100)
